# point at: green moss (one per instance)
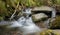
(56, 23)
(1, 18)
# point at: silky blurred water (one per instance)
(25, 23)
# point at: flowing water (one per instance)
(53, 15)
(25, 23)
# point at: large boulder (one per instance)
(39, 16)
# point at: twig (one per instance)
(14, 11)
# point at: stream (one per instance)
(25, 23)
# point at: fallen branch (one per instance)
(14, 11)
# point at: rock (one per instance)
(55, 23)
(38, 17)
(42, 8)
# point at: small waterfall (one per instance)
(25, 23)
(28, 25)
(53, 14)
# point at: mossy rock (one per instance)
(55, 24)
(48, 32)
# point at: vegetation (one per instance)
(7, 7)
(48, 32)
(55, 24)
